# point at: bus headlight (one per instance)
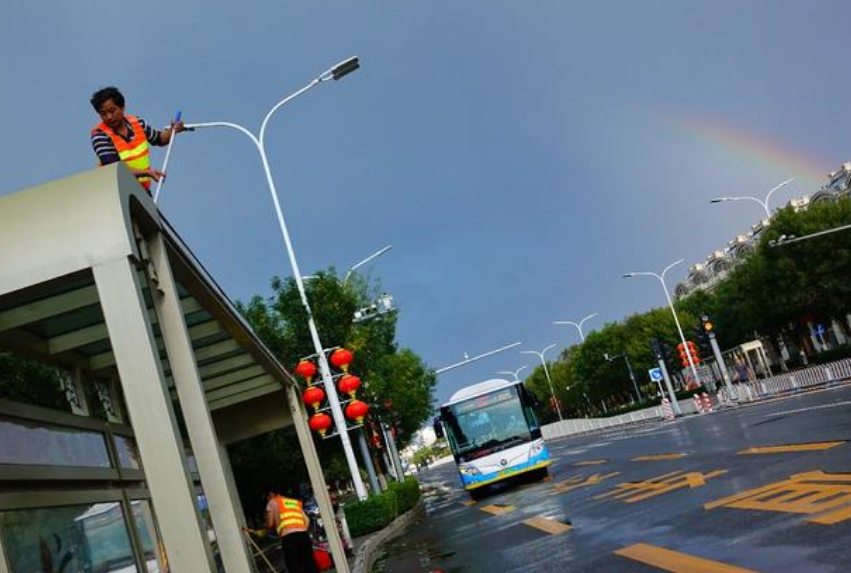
(469, 470)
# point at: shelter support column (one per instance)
(150, 409)
(193, 404)
(317, 479)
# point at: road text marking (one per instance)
(590, 463)
(469, 502)
(576, 482)
(657, 457)
(675, 561)
(547, 524)
(498, 509)
(807, 493)
(639, 491)
(811, 447)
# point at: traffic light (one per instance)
(702, 340)
(656, 347)
(668, 354)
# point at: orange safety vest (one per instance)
(291, 516)
(134, 153)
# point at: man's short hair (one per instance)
(103, 95)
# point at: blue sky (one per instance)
(519, 156)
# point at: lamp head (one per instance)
(345, 67)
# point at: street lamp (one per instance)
(762, 202)
(547, 372)
(610, 358)
(515, 373)
(577, 325)
(335, 73)
(371, 257)
(661, 279)
(788, 239)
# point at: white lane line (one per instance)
(808, 409)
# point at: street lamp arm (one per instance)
(668, 268)
(589, 317)
(235, 126)
(642, 274)
(281, 104)
(770, 193)
(371, 257)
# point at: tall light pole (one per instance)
(547, 372)
(335, 73)
(762, 202)
(515, 373)
(577, 325)
(661, 278)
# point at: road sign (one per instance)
(655, 374)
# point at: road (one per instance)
(660, 497)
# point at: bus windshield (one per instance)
(486, 424)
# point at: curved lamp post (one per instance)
(335, 73)
(515, 373)
(762, 202)
(577, 325)
(547, 372)
(661, 278)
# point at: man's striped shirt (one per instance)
(105, 149)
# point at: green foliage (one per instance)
(407, 493)
(26, 380)
(377, 511)
(774, 292)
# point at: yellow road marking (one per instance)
(811, 447)
(498, 509)
(657, 457)
(576, 482)
(469, 502)
(632, 492)
(590, 463)
(547, 524)
(675, 561)
(808, 493)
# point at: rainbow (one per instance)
(753, 148)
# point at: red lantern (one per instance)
(349, 384)
(356, 410)
(341, 358)
(313, 396)
(306, 369)
(320, 423)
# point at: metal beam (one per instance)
(234, 377)
(77, 338)
(243, 396)
(226, 365)
(217, 349)
(47, 307)
(244, 386)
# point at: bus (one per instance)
(494, 434)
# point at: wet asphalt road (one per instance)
(772, 535)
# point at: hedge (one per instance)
(377, 511)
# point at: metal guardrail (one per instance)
(789, 382)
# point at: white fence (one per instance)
(757, 390)
(791, 381)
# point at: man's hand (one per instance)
(177, 127)
(154, 174)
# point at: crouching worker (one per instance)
(286, 516)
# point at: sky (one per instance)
(519, 156)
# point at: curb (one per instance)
(367, 552)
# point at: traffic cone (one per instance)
(707, 402)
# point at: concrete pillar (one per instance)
(317, 479)
(3, 567)
(150, 410)
(236, 556)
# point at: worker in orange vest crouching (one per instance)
(286, 516)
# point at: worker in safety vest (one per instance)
(286, 516)
(127, 138)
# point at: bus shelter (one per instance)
(157, 373)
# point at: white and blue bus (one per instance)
(494, 434)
